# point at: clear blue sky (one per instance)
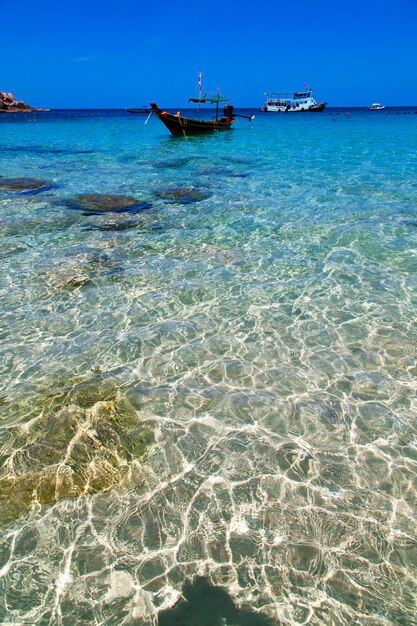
(95, 53)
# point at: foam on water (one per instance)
(262, 333)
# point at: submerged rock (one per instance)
(216, 170)
(171, 163)
(24, 185)
(201, 597)
(69, 278)
(182, 195)
(43, 150)
(84, 440)
(114, 226)
(239, 174)
(75, 282)
(96, 204)
(240, 160)
(219, 170)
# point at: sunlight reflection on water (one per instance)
(263, 332)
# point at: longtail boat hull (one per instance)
(184, 126)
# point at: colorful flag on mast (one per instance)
(200, 76)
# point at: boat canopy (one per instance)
(302, 94)
(290, 95)
(212, 99)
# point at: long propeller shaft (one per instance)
(246, 117)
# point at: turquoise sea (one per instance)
(208, 389)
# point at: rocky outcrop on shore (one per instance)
(9, 104)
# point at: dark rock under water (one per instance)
(85, 439)
(171, 163)
(97, 204)
(182, 195)
(239, 160)
(24, 185)
(204, 604)
(219, 170)
(44, 150)
(215, 170)
(114, 226)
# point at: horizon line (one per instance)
(257, 106)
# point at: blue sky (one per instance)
(122, 53)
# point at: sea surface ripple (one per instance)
(210, 392)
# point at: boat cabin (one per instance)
(290, 101)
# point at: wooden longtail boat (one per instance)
(180, 125)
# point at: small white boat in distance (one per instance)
(376, 107)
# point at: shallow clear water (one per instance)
(222, 388)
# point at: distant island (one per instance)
(9, 104)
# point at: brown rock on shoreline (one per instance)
(9, 104)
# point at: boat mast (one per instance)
(200, 83)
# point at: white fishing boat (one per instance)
(376, 107)
(293, 102)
